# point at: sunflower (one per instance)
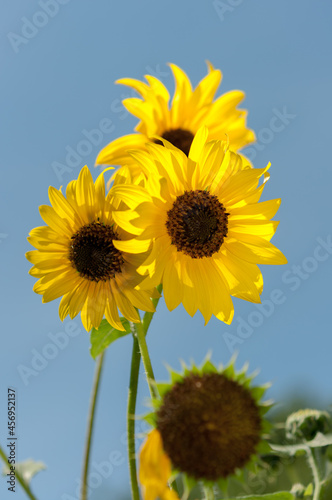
(204, 226)
(209, 423)
(76, 257)
(190, 109)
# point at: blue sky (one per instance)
(59, 61)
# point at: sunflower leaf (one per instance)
(27, 469)
(106, 334)
(319, 441)
(282, 495)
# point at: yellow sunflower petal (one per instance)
(62, 285)
(131, 195)
(139, 299)
(259, 228)
(132, 246)
(77, 299)
(181, 96)
(112, 314)
(259, 251)
(263, 210)
(52, 219)
(239, 275)
(116, 152)
(85, 194)
(172, 285)
(62, 207)
(155, 469)
(124, 305)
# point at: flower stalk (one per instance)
(315, 468)
(132, 393)
(91, 415)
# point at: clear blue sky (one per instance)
(56, 86)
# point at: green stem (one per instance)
(94, 394)
(131, 408)
(315, 472)
(208, 493)
(140, 335)
(19, 478)
(140, 330)
(132, 396)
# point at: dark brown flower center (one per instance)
(179, 137)
(93, 254)
(209, 425)
(197, 223)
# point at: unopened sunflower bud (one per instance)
(305, 424)
(298, 490)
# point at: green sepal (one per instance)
(209, 367)
(175, 377)
(258, 392)
(150, 418)
(229, 371)
(163, 388)
(105, 335)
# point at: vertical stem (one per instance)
(19, 478)
(131, 408)
(208, 493)
(91, 415)
(132, 396)
(140, 333)
(315, 472)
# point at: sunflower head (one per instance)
(210, 421)
(76, 257)
(305, 424)
(201, 218)
(178, 121)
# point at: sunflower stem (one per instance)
(312, 461)
(131, 408)
(19, 478)
(208, 493)
(132, 395)
(91, 415)
(140, 334)
(140, 330)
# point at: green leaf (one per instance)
(291, 449)
(309, 490)
(319, 441)
(27, 469)
(282, 495)
(105, 335)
